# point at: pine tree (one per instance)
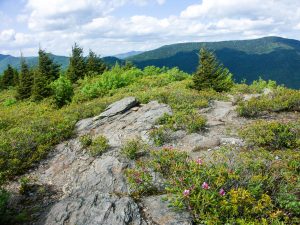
(77, 67)
(16, 77)
(211, 74)
(95, 64)
(25, 81)
(47, 72)
(8, 77)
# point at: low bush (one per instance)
(86, 140)
(257, 87)
(188, 120)
(131, 148)
(231, 188)
(159, 135)
(281, 99)
(272, 135)
(98, 146)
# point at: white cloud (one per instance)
(7, 35)
(93, 25)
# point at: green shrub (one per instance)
(25, 185)
(187, 120)
(131, 148)
(63, 91)
(281, 99)
(231, 188)
(159, 136)
(272, 135)
(257, 87)
(86, 140)
(99, 145)
(10, 101)
(140, 181)
(4, 198)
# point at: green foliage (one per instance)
(86, 140)
(7, 79)
(47, 71)
(4, 198)
(77, 65)
(188, 120)
(159, 135)
(62, 90)
(9, 102)
(25, 81)
(99, 145)
(281, 99)
(95, 64)
(257, 87)
(131, 148)
(210, 74)
(140, 181)
(272, 135)
(231, 188)
(25, 185)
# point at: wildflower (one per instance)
(186, 192)
(199, 161)
(205, 186)
(138, 180)
(222, 192)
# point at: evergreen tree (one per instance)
(47, 72)
(25, 81)
(8, 77)
(211, 74)
(95, 64)
(77, 67)
(16, 77)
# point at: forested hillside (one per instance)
(270, 58)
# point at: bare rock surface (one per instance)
(220, 116)
(94, 190)
(156, 210)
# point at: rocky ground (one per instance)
(80, 189)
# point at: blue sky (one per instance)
(115, 26)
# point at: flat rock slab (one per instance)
(158, 211)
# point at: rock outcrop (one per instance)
(94, 190)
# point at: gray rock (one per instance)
(95, 189)
(232, 141)
(94, 209)
(157, 211)
(118, 107)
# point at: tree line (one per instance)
(47, 78)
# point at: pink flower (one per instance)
(205, 186)
(199, 161)
(186, 192)
(222, 192)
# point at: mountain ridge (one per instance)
(274, 58)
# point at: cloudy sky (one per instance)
(115, 26)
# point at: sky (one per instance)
(109, 27)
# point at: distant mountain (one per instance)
(270, 57)
(33, 61)
(128, 54)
